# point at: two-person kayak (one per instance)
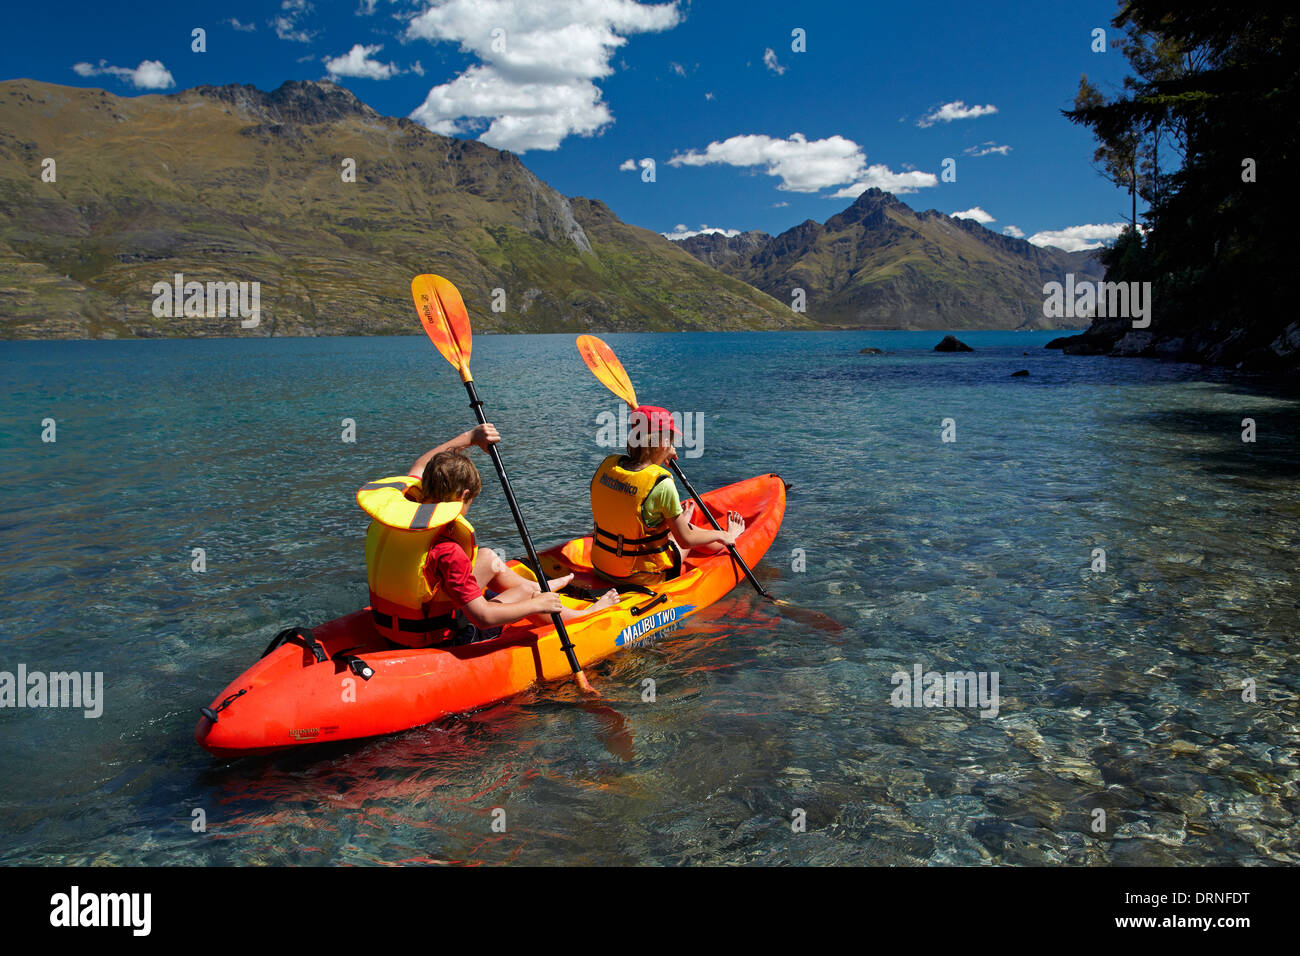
(342, 680)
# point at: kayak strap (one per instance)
(300, 635)
(593, 595)
(355, 664)
(414, 625)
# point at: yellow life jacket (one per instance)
(397, 549)
(622, 544)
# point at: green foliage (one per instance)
(1215, 83)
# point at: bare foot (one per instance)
(557, 584)
(608, 599)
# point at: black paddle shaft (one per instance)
(672, 463)
(477, 404)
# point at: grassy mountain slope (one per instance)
(232, 183)
(879, 264)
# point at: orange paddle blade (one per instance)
(442, 313)
(602, 361)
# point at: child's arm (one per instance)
(484, 613)
(689, 536)
(482, 436)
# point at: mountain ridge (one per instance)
(880, 264)
(233, 183)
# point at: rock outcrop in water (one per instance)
(951, 343)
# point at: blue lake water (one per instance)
(1120, 690)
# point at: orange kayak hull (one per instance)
(290, 698)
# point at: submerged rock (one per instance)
(870, 351)
(1023, 371)
(951, 344)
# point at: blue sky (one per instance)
(742, 138)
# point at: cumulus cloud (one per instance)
(627, 165)
(359, 62)
(287, 23)
(974, 212)
(539, 60)
(1078, 238)
(954, 111)
(1015, 231)
(985, 148)
(803, 165)
(769, 61)
(149, 75)
(241, 27)
(681, 232)
(880, 176)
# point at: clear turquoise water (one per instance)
(1119, 690)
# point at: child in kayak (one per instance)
(429, 581)
(639, 517)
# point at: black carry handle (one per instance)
(476, 403)
(709, 514)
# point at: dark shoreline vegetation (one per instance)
(1214, 87)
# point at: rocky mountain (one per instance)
(881, 265)
(329, 206)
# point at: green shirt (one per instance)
(662, 502)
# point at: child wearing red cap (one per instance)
(638, 513)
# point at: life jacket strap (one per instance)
(621, 543)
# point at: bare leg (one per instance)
(491, 571)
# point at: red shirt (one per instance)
(449, 566)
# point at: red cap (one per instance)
(659, 420)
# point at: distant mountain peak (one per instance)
(296, 102)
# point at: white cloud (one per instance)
(1076, 238)
(985, 148)
(681, 232)
(417, 69)
(286, 25)
(149, 75)
(677, 68)
(708, 96)
(241, 27)
(954, 111)
(803, 166)
(358, 62)
(1015, 231)
(769, 61)
(779, 205)
(882, 177)
(974, 212)
(627, 165)
(539, 60)
(366, 8)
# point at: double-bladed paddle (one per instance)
(442, 313)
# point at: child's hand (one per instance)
(547, 602)
(688, 510)
(484, 435)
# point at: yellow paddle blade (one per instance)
(442, 313)
(604, 364)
